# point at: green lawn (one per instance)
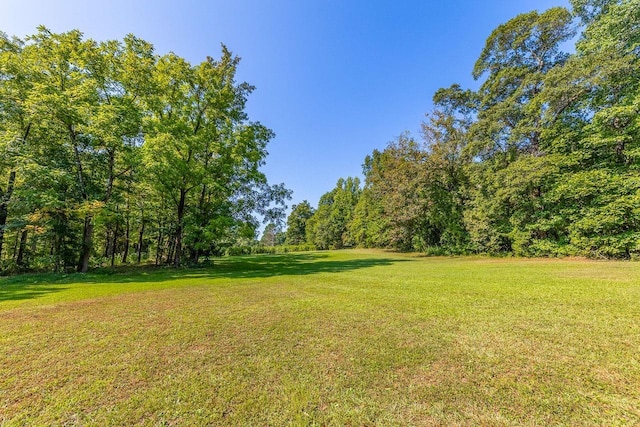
(335, 338)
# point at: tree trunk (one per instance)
(87, 232)
(178, 240)
(4, 207)
(87, 241)
(195, 252)
(114, 243)
(140, 236)
(195, 256)
(171, 246)
(22, 248)
(159, 246)
(125, 253)
(107, 242)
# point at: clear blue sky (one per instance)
(335, 78)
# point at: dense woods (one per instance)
(542, 160)
(111, 154)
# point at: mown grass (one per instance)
(337, 338)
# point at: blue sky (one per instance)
(335, 79)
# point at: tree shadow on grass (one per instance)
(293, 265)
(246, 267)
(16, 292)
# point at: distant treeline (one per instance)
(543, 160)
(110, 154)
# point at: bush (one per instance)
(261, 249)
(239, 250)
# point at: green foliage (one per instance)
(272, 235)
(296, 233)
(270, 250)
(516, 58)
(369, 226)
(418, 188)
(541, 161)
(328, 227)
(112, 153)
(588, 10)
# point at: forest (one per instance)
(541, 161)
(112, 154)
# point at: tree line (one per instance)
(110, 153)
(542, 160)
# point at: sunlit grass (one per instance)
(336, 338)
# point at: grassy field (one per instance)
(336, 338)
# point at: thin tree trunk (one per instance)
(195, 256)
(178, 239)
(87, 241)
(195, 253)
(4, 207)
(56, 253)
(125, 254)
(107, 242)
(159, 245)
(171, 247)
(21, 250)
(87, 232)
(114, 244)
(34, 244)
(140, 236)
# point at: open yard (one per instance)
(335, 338)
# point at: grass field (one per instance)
(336, 338)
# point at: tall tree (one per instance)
(516, 57)
(595, 97)
(328, 227)
(272, 235)
(397, 176)
(15, 120)
(511, 130)
(297, 223)
(204, 155)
